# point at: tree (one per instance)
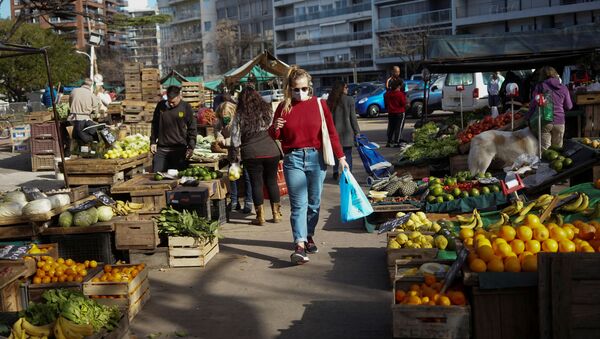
(227, 33)
(407, 44)
(23, 74)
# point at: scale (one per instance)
(461, 89)
(512, 184)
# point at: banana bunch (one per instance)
(514, 209)
(418, 222)
(578, 205)
(65, 329)
(523, 212)
(24, 329)
(504, 220)
(543, 201)
(124, 208)
(471, 222)
(593, 213)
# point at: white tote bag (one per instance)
(328, 156)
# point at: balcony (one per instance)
(93, 3)
(443, 16)
(338, 65)
(497, 7)
(188, 40)
(325, 40)
(183, 18)
(323, 14)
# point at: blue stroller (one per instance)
(376, 166)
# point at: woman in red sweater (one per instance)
(297, 124)
(395, 104)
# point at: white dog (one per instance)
(506, 146)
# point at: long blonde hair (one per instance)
(294, 73)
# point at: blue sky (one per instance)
(133, 4)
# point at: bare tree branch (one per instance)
(407, 44)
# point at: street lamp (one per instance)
(91, 63)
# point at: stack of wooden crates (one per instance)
(44, 146)
(151, 85)
(192, 92)
(133, 81)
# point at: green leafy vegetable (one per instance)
(429, 145)
(186, 224)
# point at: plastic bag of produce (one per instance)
(353, 202)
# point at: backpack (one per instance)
(546, 112)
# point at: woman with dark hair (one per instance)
(259, 152)
(344, 117)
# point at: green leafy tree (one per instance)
(23, 74)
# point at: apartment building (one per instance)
(76, 28)
(332, 39)
(495, 16)
(143, 42)
(254, 20)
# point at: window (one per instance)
(207, 26)
(301, 35)
(221, 13)
(329, 59)
(327, 7)
(313, 9)
(299, 10)
(454, 79)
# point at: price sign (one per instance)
(391, 224)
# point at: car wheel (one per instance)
(417, 109)
(373, 111)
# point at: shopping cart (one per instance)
(375, 164)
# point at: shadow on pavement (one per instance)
(342, 319)
(16, 161)
(42, 184)
(335, 224)
(369, 261)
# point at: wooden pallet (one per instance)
(190, 252)
(140, 235)
(128, 296)
(425, 321)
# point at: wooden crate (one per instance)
(52, 251)
(404, 253)
(401, 264)
(133, 86)
(592, 120)
(129, 296)
(34, 291)
(42, 163)
(133, 96)
(144, 189)
(459, 163)
(130, 67)
(38, 117)
(505, 313)
(133, 105)
(10, 297)
(588, 98)
(424, 321)
(568, 295)
(417, 172)
(134, 76)
(191, 252)
(141, 234)
(132, 118)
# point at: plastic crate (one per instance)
(44, 146)
(218, 211)
(46, 130)
(42, 163)
(82, 247)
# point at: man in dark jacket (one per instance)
(174, 131)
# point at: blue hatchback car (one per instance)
(371, 105)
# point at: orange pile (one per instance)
(61, 270)
(428, 293)
(119, 274)
(513, 249)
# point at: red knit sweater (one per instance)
(395, 102)
(303, 127)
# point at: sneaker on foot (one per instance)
(310, 246)
(299, 256)
(247, 209)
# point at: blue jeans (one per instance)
(304, 172)
(348, 154)
(248, 193)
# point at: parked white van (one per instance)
(474, 95)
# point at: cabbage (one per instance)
(94, 214)
(65, 219)
(85, 218)
(105, 213)
(39, 206)
(16, 196)
(10, 209)
(59, 200)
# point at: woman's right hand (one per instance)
(279, 123)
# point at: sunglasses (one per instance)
(303, 89)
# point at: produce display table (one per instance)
(519, 123)
(88, 171)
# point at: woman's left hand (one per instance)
(343, 164)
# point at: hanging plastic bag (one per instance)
(353, 202)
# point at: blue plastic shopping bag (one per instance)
(354, 204)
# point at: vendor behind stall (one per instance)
(83, 103)
(174, 131)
